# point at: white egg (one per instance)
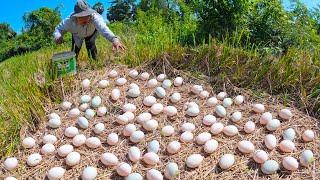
(260, 156)
(203, 138)
(93, 142)
(123, 169)
(287, 146)
(133, 86)
(85, 99)
(221, 111)
(102, 111)
(151, 158)
(285, 114)
(306, 158)
(98, 128)
(133, 73)
(109, 159)
(134, 154)
(204, 94)
(129, 107)
(249, 127)
(153, 174)
(103, 84)
(193, 111)
(133, 93)
(152, 83)
(113, 73)
(226, 161)
(160, 92)
(156, 108)
(89, 173)
(239, 99)
(171, 171)
(290, 163)
(74, 112)
(211, 102)
(137, 136)
(10, 163)
(166, 84)
(150, 125)
(227, 102)
(149, 100)
(246, 147)
(122, 119)
(170, 110)
(175, 97)
(230, 130)
(188, 127)
(90, 113)
(273, 125)
(144, 76)
(173, 147)
(49, 138)
(66, 105)
(143, 117)
(85, 83)
(167, 130)
(84, 106)
(71, 131)
(28, 142)
(161, 77)
(56, 173)
(121, 81)
(112, 139)
(196, 89)
(134, 176)
(129, 115)
(64, 150)
(73, 159)
(289, 134)
(236, 116)
(221, 95)
(79, 140)
(210, 146)
(258, 108)
(194, 160)
(54, 123)
(216, 128)
(129, 129)
(186, 137)
(53, 115)
(115, 94)
(270, 167)
(270, 141)
(47, 149)
(34, 159)
(308, 135)
(96, 101)
(208, 120)
(191, 104)
(265, 118)
(154, 146)
(10, 178)
(83, 122)
(178, 81)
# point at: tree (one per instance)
(98, 7)
(6, 32)
(122, 10)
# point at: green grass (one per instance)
(295, 77)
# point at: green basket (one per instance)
(64, 63)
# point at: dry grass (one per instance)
(244, 167)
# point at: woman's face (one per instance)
(83, 20)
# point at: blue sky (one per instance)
(13, 10)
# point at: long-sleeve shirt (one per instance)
(79, 32)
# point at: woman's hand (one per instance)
(117, 45)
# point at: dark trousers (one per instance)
(90, 45)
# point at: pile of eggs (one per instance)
(163, 102)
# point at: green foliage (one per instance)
(6, 32)
(122, 10)
(98, 7)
